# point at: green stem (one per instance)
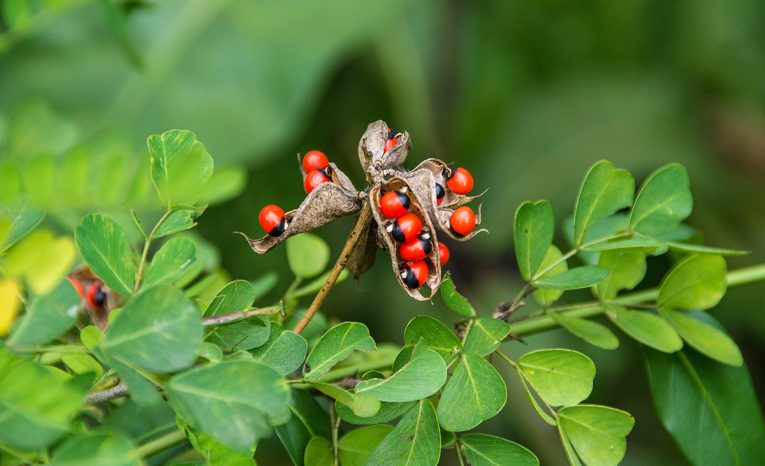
(594, 308)
(335, 421)
(459, 451)
(51, 349)
(159, 444)
(146, 244)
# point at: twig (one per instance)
(360, 228)
(157, 445)
(240, 315)
(117, 391)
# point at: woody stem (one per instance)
(360, 228)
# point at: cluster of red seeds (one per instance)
(406, 228)
(316, 167)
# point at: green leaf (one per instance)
(335, 345)
(474, 393)
(318, 452)
(597, 432)
(307, 255)
(534, 229)
(605, 190)
(224, 184)
(489, 450)
(696, 282)
(96, 449)
(663, 201)
(36, 405)
(354, 447)
(703, 337)
(105, 248)
(626, 270)
(547, 297)
(361, 405)
(485, 335)
(81, 363)
(215, 452)
(591, 332)
(48, 316)
(237, 296)
(646, 328)
(436, 336)
(159, 330)
(560, 377)
(419, 378)
(453, 300)
(23, 219)
(710, 409)
(415, 440)
(308, 420)
(178, 221)
(180, 166)
(387, 413)
(574, 279)
(236, 402)
(284, 351)
(170, 262)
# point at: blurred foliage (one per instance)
(526, 93)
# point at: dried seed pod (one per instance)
(443, 221)
(363, 256)
(372, 150)
(87, 280)
(440, 171)
(416, 207)
(326, 203)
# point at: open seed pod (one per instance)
(372, 155)
(326, 203)
(440, 172)
(442, 218)
(416, 206)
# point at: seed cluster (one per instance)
(407, 206)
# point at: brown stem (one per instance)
(240, 315)
(360, 228)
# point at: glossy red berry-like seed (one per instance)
(389, 144)
(77, 286)
(462, 221)
(96, 297)
(314, 160)
(394, 204)
(313, 179)
(460, 181)
(272, 220)
(416, 249)
(440, 193)
(405, 228)
(414, 274)
(443, 253)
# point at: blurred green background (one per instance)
(525, 94)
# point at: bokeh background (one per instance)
(525, 94)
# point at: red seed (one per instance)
(394, 204)
(314, 160)
(272, 220)
(460, 181)
(313, 179)
(443, 253)
(462, 221)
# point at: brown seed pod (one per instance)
(416, 207)
(326, 203)
(440, 171)
(384, 173)
(86, 278)
(372, 155)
